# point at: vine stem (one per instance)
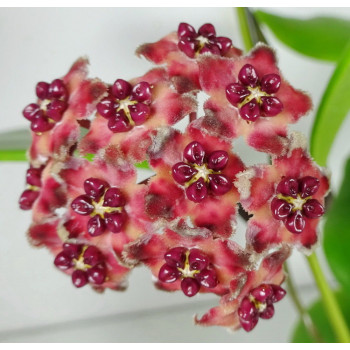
(244, 26)
(330, 303)
(17, 155)
(304, 316)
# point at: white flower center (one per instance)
(44, 104)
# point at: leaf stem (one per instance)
(330, 303)
(304, 316)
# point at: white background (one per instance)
(37, 302)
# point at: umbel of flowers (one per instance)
(99, 223)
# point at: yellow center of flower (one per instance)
(257, 304)
(124, 105)
(79, 263)
(185, 271)
(296, 202)
(100, 209)
(202, 172)
(255, 93)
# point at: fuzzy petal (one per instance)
(266, 134)
(257, 187)
(216, 213)
(167, 108)
(182, 69)
(226, 257)
(83, 95)
(270, 271)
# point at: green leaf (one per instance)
(320, 37)
(321, 322)
(333, 109)
(336, 241)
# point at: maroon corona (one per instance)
(33, 180)
(259, 304)
(294, 203)
(126, 106)
(104, 204)
(86, 261)
(255, 97)
(191, 266)
(50, 108)
(200, 173)
(205, 41)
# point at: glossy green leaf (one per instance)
(321, 322)
(336, 241)
(333, 109)
(320, 37)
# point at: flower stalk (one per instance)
(304, 316)
(16, 155)
(330, 303)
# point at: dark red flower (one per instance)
(251, 295)
(203, 169)
(286, 198)
(180, 51)
(128, 117)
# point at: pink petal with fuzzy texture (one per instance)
(122, 177)
(167, 108)
(266, 134)
(257, 187)
(270, 271)
(226, 257)
(182, 69)
(216, 213)
(83, 95)
(45, 234)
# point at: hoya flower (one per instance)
(250, 97)
(180, 51)
(252, 295)
(103, 200)
(61, 105)
(129, 115)
(285, 198)
(102, 212)
(95, 264)
(87, 262)
(33, 182)
(189, 260)
(198, 171)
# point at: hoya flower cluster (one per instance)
(100, 223)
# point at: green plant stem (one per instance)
(19, 155)
(330, 303)
(244, 26)
(304, 316)
(16, 155)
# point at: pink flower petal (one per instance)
(270, 271)
(225, 257)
